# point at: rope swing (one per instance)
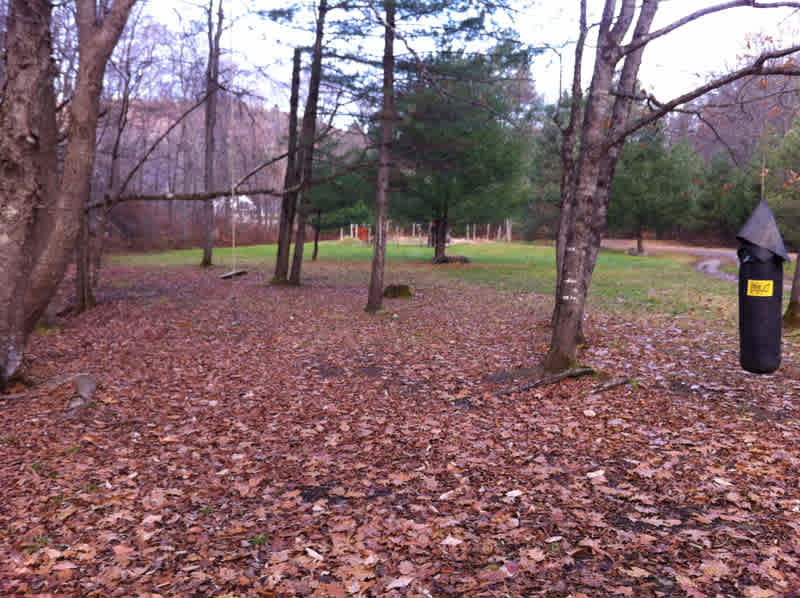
(233, 196)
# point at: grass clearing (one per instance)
(657, 283)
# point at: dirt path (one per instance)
(709, 259)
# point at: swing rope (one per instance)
(233, 196)
(235, 206)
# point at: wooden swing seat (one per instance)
(233, 273)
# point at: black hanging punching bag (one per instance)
(761, 256)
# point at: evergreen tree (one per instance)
(653, 185)
(344, 198)
(783, 184)
(783, 189)
(726, 197)
(544, 172)
(459, 158)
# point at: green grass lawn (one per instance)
(658, 283)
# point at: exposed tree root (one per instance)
(551, 379)
(451, 259)
(612, 383)
(791, 319)
(85, 385)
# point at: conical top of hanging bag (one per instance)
(762, 230)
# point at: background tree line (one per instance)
(154, 77)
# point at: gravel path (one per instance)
(709, 260)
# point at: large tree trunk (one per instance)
(589, 191)
(289, 199)
(375, 294)
(583, 222)
(212, 86)
(27, 167)
(40, 218)
(307, 134)
(572, 285)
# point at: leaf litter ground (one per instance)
(315, 450)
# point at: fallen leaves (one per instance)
(715, 569)
(400, 582)
(259, 460)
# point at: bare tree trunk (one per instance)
(375, 293)
(40, 218)
(317, 228)
(307, 135)
(212, 86)
(592, 181)
(299, 245)
(568, 173)
(289, 199)
(27, 166)
(571, 292)
(623, 103)
(603, 133)
(84, 296)
(440, 227)
(791, 319)
(89, 262)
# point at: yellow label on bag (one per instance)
(759, 288)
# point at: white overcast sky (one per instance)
(678, 62)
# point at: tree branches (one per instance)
(758, 67)
(215, 194)
(643, 41)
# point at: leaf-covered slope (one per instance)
(313, 450)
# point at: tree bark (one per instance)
(212, 86)
(603, 132)
(27, 166)
(89, 261)
(40, 214)
(84, 295)
(571, 290)
(791, 319)
(440, 227)
(307, 134)
(623, 102)
(317, 228)
(299, 244)
(375, 293)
